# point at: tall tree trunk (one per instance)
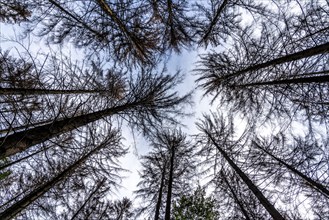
(323, 48)
(158, 205)
(14, 129)
(170, 183)
(99, 185)
(243, 210)
(319, 187)
(20, 205)
(259, 195)
(312, 79)
(28, 91)
(21, 141)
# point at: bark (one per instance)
(99, 185)
(170, 183)
(319, 187)
(158, 205)
(35, 194)
(26, 126)
(301, 80)
(320, 49)
(259, 195)
(21, 141)
(27, 91)
(243, 210)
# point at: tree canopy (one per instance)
(85, 86)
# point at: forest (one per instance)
(238, 131)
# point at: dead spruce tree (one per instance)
(148, 101)
(217, 135)
(166, 173)
(69, 174)
(280, 72)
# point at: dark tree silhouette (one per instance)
(215, 135)
(119, 28)
(309, 181)
(279, 71)
(171, 18)
(166, 172)
(146, 103)
(219, 20)
(89, 161)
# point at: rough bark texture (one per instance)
(20, 141)
(301, 80)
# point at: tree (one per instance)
(88, 199)
(14, 11)
(166, 173)
(195, 206)
(219, 20)
(113, 210)
(171, 18)
(145, 104)
(214, 134)
(121, 29)
(314, 184)
(280, 71)
(121, 209)
(89, 161)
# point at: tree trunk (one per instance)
(158, 205)
(20, 205)
(319, 187)
(21, 141)
(323, 48)
(243, 210)
(259, 195)
(14, 129)
(312, 79)
(170, 182)
(27, 91)
(99, 185)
